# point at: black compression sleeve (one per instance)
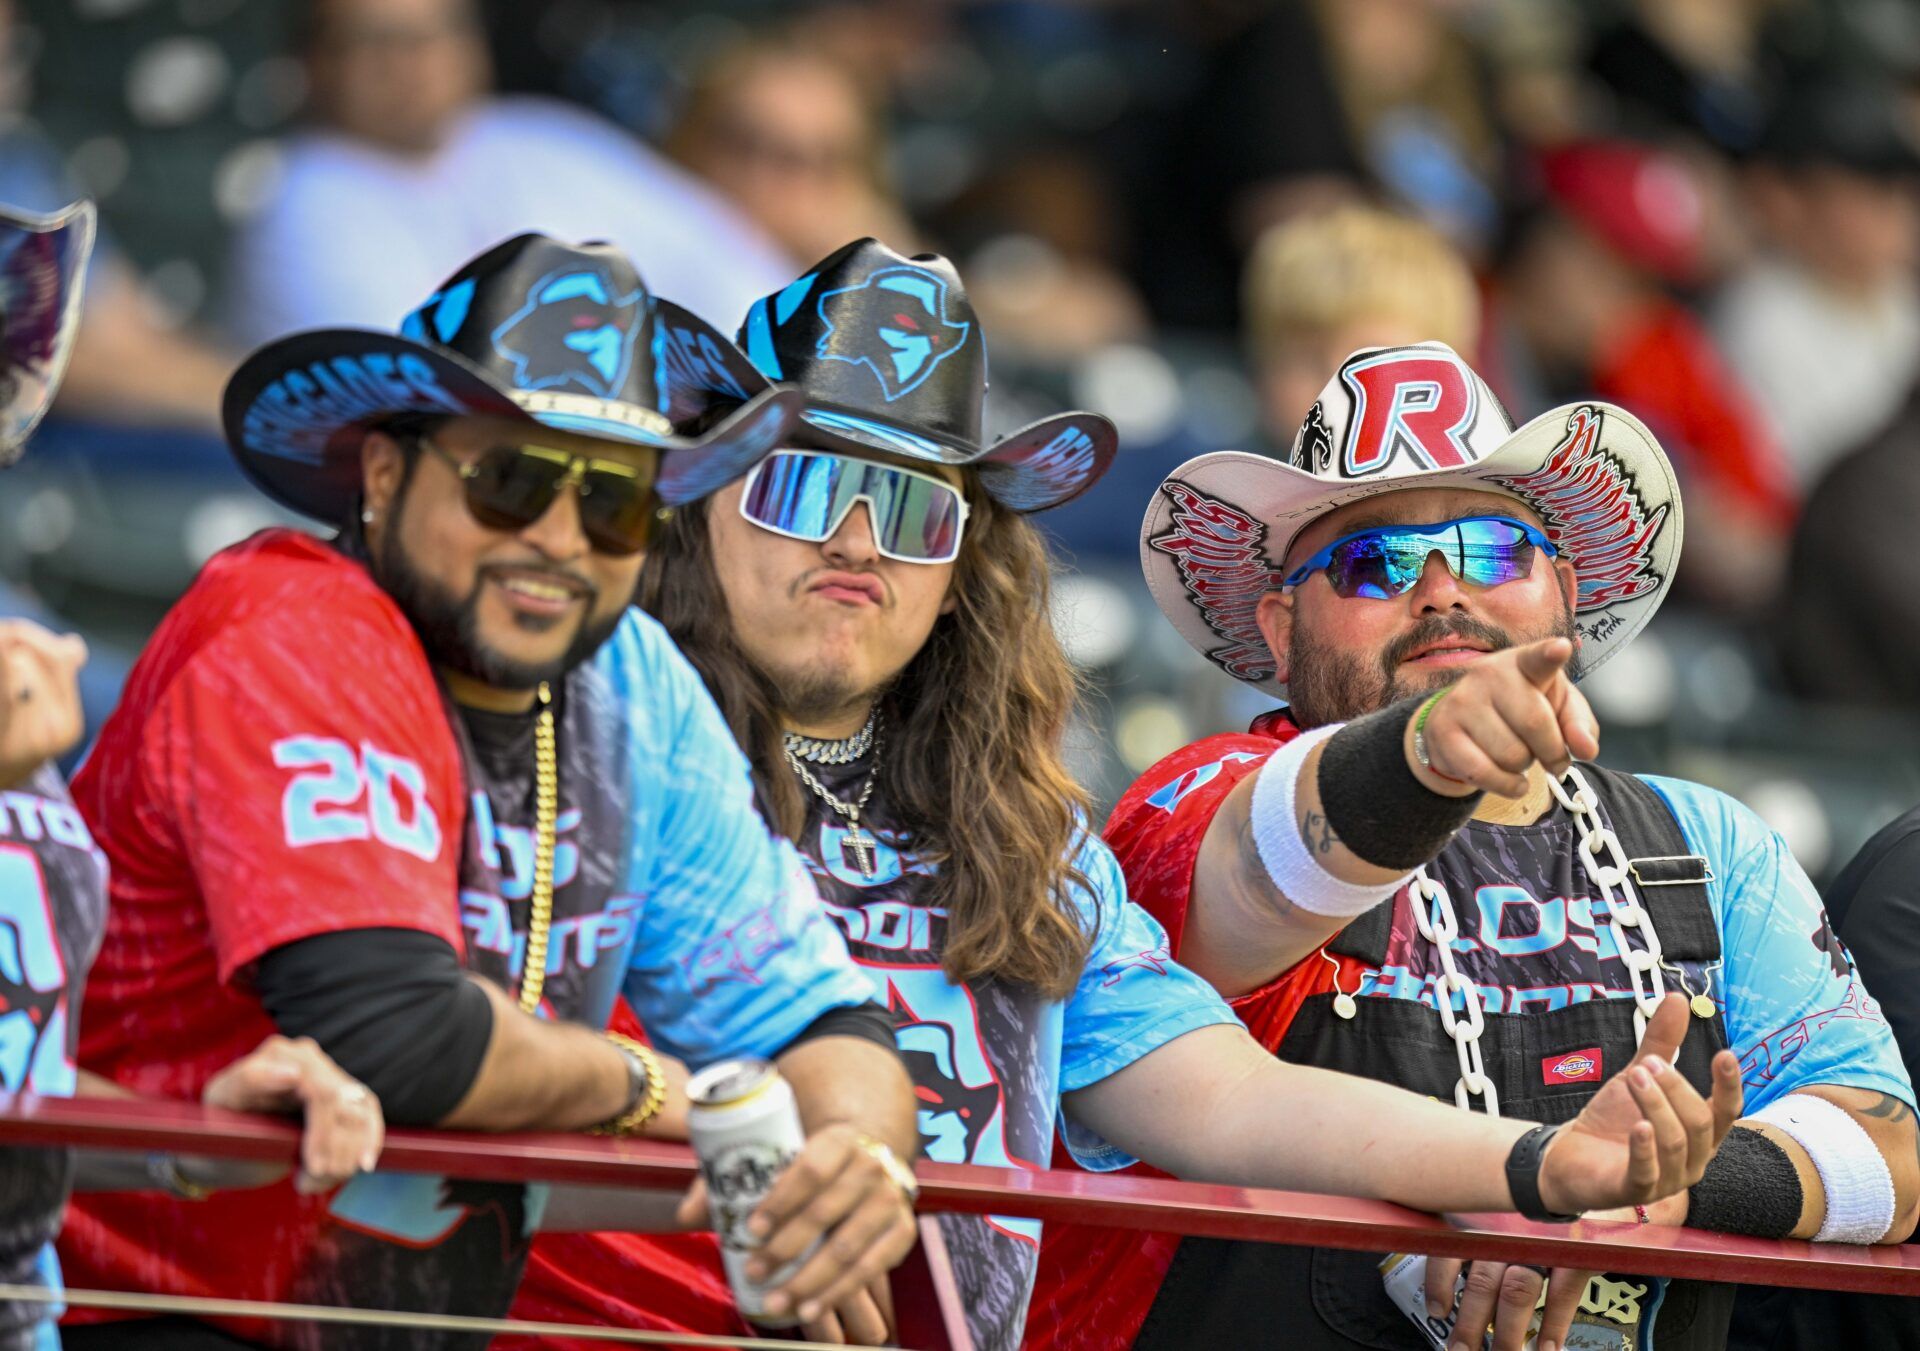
(1750, 1187)
(391, 1006)
(1372, 800)
(869, 1022)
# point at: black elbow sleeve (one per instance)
(1373, 802)
(868, 1022)
(392, 1007)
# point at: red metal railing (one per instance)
(1128, 1202)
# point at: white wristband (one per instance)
(1297, 874)
(1852, 1172)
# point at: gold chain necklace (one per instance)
(546, 810)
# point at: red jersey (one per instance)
(280, 766)
(1096, 1285)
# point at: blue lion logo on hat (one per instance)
(894, 323)
(572, 328)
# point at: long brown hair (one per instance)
(975, 721)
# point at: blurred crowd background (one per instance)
(1181, 215)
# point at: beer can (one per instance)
(746, 1130)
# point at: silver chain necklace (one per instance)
(858, 848)
(845, 752)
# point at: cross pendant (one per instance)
(860, 846)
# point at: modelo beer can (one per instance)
(746, 1130)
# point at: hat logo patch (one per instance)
(1408, 403)
(572, 329)
(894, 323)
(1595, 514)
(1313, 447)
(1220, 552)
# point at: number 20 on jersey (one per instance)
(348, 794)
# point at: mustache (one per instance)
(1435, 628)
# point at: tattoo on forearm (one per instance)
(1886, 1107)
(1317, 831)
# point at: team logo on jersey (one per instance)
(1597, 517)
(953, 1114)
(33, 989)
(894, 323)
(1415, 404)
(1220, 552)
(574, 329)
(1575, 1067)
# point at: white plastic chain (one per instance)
(1434, 914)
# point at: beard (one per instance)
(1327, 686)
(449, 625)
(811, 695)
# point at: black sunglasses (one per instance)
(511, 487)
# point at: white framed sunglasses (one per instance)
(807, 494)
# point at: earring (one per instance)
(366, 515)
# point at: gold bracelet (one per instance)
(163, 1169)
(652, 1097)
(890, 1163)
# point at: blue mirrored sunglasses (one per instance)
(1387, 560)
(806, 494)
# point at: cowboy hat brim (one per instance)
(297, 410)
(1220, 527)
(43, 266)
(1043, 465)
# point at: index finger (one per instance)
(1540, 662)
(1666, 1030)
(1564, 1289)
(1443, 1274)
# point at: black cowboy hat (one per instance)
(560, 335)
(891, 358)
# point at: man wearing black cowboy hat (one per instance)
(870, 608)
(345, 771)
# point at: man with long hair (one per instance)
(1422, 583)
(433, 794)
(869, 607)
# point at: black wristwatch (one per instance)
(1523, 1176)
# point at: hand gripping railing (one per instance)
(929, 1309)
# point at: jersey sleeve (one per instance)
(734, 954)
(1156, 831)
(1132, 997)
(1156, 828)
(307, 767)
(1797, 1013)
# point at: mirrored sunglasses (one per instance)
(511, 487)
(806, 495)
(1387, 560)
